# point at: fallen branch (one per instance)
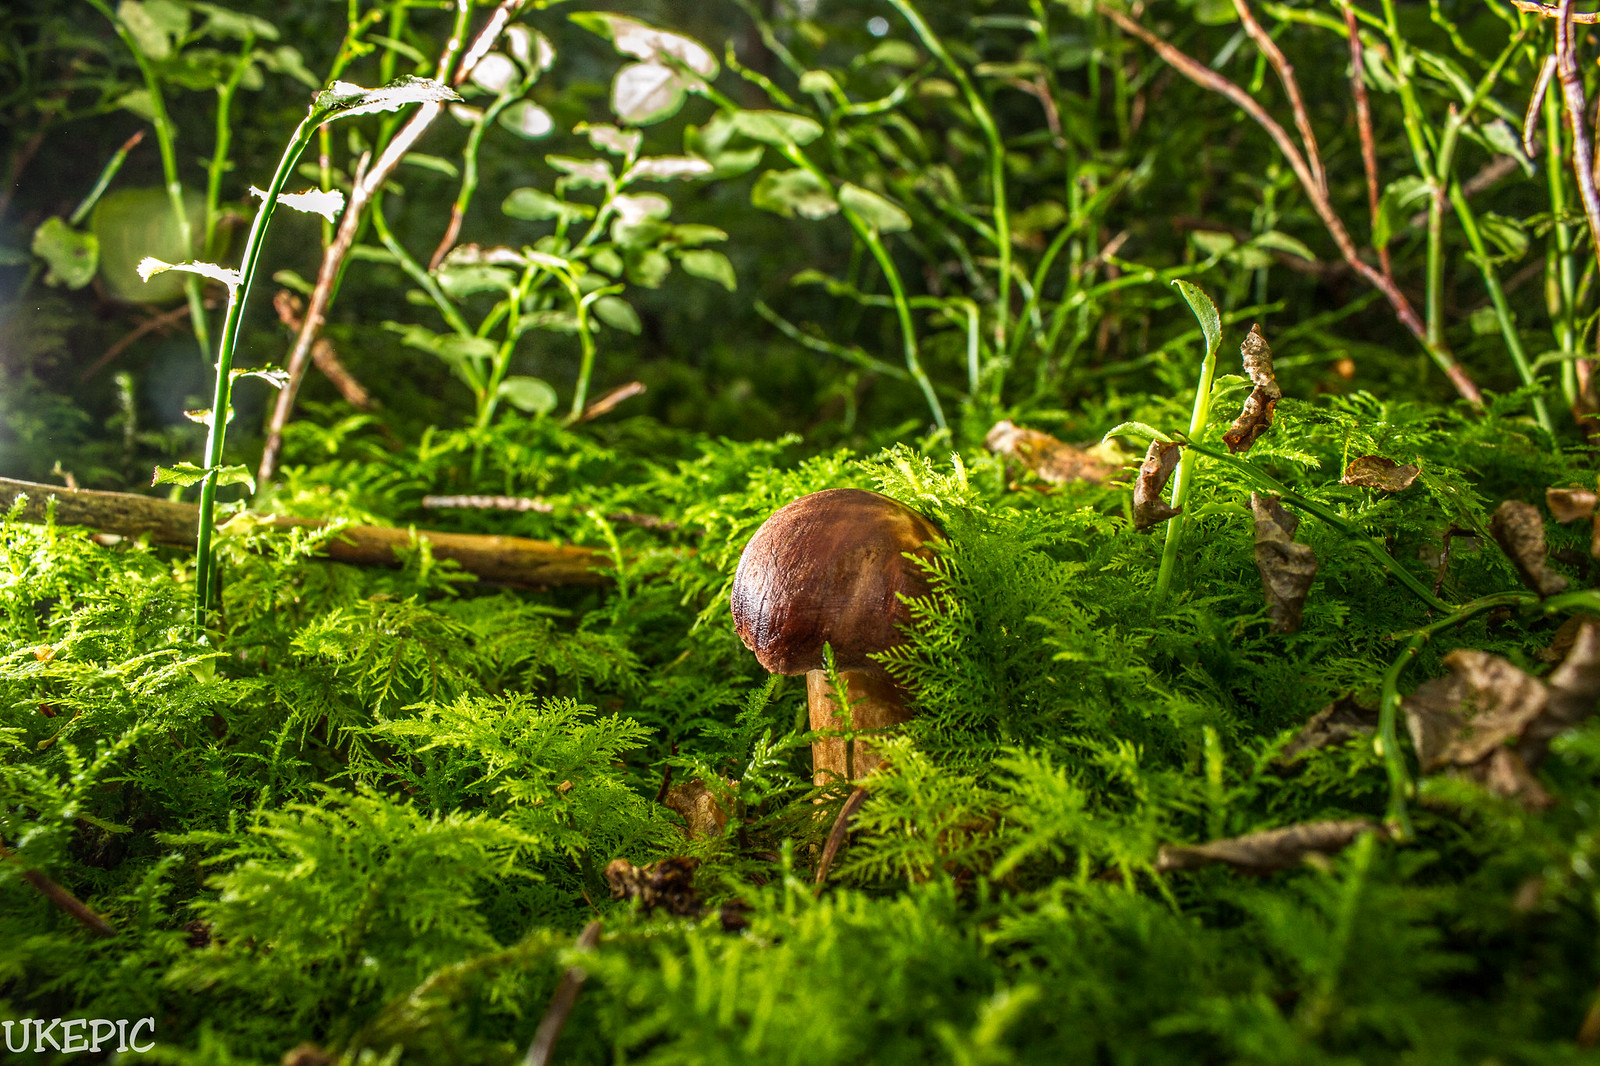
(66, 901)
(1550, 11)
(505, 560)
(561, 1004)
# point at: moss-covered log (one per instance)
(507, 560)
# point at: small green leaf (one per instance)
(581, 172)
(236, 475)
(344, 100)
(535, 205)
(72, 256)
(1136, 429)
(643, 41)
(532, 395)
(527, 120)
(777, 128)
(794, 192)
(713, 266)
(643, 93)
(184, 474)
(618, 313)
(648, 268)
(668, 168)
(876, 211)
(1205, 311)
(608, 138)
(1282, 242)
(145, 28)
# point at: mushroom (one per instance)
(833, 568)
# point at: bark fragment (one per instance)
(668, 884)
(1268, 850)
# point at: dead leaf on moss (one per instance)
(1049, 458)
(1376, 472)
(1519, 530)
(668, 884)
(1149, 508)
(697, 805)
(1287, 569)
(1266, 851)
(1565, 636)
(1256, 418)
(1490, 721)
(1340, 721)
(1569, 505)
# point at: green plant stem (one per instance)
(108, 173)
(1502, 310)
(227, 339)
(997, 163)
(908, 330)
(1263, 480)
(1566, 314)
(1183, 479)
(166, 135)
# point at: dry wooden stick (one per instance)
(66, 901)
(517, 561)
(334, 255)
(841, 829)
(561, 1004)
(1577, 108)
(1369, 148)
(290, 309)
(1534, 7)
(1291, 87)
(1207, 78)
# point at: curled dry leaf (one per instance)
(1338, 722)
(1048, 457)
(1490, 721)
(1566, 636)
(1376, 472)
(1256, 418)
(1149, 508)
(1570, 504)
(1266, 851)
(1287, 569)
(698, 807)
(1519, 530)
(668, 884)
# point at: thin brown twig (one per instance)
(66, 901)
(1577, 109)
(1534, 7)
(1369, 148)
(607, 403)
(1530, 118)
(841, 829)
(290, 308)
(1291, 87)
(364, 189)
(165, 319)
(561, 1004)
(1207, 78)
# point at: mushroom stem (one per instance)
(876, 702)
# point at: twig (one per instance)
(537, 504)
(66, 901)
(1534, 7)
(289, 309)
(841, 829)
(1369, 149)
(605, 404)
(165, 319)
(1291, 87)
(561, 1004)
(1577, 112)
(334, 255)
(1207, 78)
(1535, 103)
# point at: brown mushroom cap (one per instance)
(830, 568)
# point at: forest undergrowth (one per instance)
(1253, 694)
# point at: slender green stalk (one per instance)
(225, 344)
(908, 329)
(107, 174)
(1565, 315)
(997, 163)
(1183, 479)
(166, 135)
(1502, 310)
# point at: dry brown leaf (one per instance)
(668, 884)
(698, 807)
(1493, 723)
(1048, 457)
(1569, 505)
(1266, 851)
(1149, 508)
(1287, 569)
(1519, 530)
(1376, 472)
(1565, 636)
(1256, 418)
(1340, 721)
